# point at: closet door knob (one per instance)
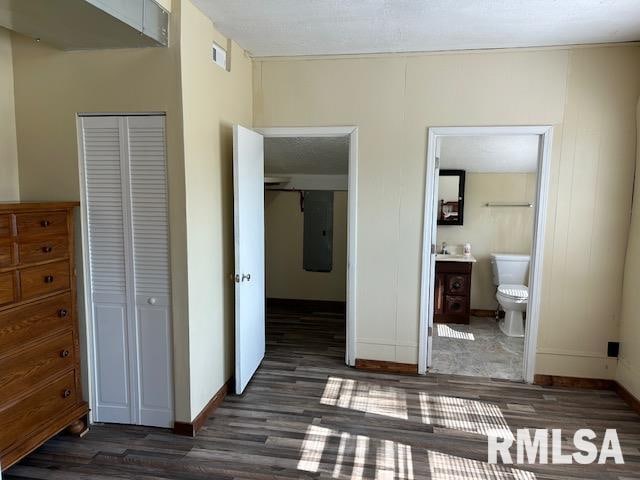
(47, 249)
(66, 393)
(48, 279)
(64, 353)
(63, 312)
(246, 276)
(152, 301)
(45, 223)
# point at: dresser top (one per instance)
(35, 206)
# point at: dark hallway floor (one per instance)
(306, 415)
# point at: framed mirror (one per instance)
(451, 197)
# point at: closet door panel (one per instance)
(101, 138)
(150, 232)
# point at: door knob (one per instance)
(152, 301)
(246, 276)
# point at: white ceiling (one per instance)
(321, 27)
(490, 154)
(307, 155)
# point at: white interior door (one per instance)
(127, 236)
(248, 186)
(151, 269)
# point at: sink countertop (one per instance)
(446, 257)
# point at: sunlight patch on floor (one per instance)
(443, 330)
(449, 467)
(365, 397)
(354, 455)
(463, 414)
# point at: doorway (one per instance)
(313, 192)
(478, 319)
(305, 164)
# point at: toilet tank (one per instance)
(510, 268)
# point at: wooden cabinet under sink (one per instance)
(452, 299)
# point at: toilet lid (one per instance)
(514, 291)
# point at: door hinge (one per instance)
(430, 332)
(437, 162)
(433, 248)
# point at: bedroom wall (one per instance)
(588, 95)
(9, 183)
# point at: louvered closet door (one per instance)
(105, 207)
(128, 229)
(150, 231)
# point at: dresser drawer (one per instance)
(37, 281)
(41, 223)
(31, 251)
(6, 252)
(5, 226)
(22, 371)
(30, 322)
(7, 288)
(21, 419)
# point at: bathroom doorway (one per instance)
(483, 238)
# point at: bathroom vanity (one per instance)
(452, 298)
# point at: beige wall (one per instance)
(9, 186)
(284, 228)
(212, 101)
(492, 230)
(52, 86)
(629, 364)
(587, 94)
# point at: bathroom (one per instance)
(486, 194)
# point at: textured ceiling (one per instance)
(495, 154)
(320, 27)
(307, 155)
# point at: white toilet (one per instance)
(510, 273)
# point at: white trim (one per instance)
(535, 276)
(86, 278)
(352, 231)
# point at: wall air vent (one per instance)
(220, 57)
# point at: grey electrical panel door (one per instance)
(318, 231)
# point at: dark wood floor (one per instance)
(305, 415)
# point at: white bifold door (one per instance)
(126, 234)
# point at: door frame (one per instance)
(545, 133)
(352, 213)
(84, 279)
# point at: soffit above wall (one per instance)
(307, 27)
(490, 154)
(307, 155)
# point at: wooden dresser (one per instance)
(40, 391)
(452, 296)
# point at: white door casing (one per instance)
(248, 186)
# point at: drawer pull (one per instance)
(45, 223)
(47, 249)
(66, 393)
(63, 312)
(48, 279)
(457, 285)
(64, 353)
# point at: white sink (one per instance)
(447, 257)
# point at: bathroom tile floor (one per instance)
(479, 349)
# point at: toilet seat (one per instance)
(516, 292)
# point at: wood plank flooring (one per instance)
(306, 415)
